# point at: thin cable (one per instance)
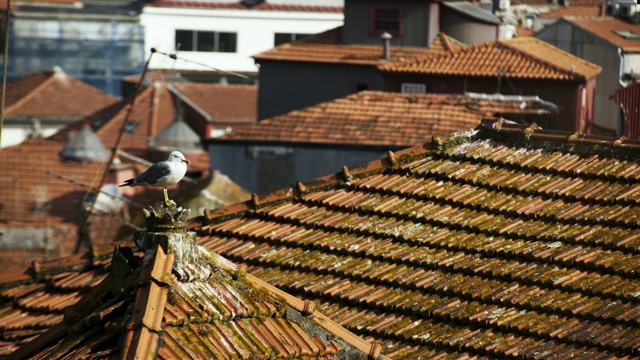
(175, 57)
(7, 22)
(82, 232)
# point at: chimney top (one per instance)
(386, 46)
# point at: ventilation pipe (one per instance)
(386, 46)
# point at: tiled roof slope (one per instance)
(523, 57)
(52, 93)
(445, 43)
(332, 6)
(376, 118)
(179, 301)
(577, 11)
(324, 49)
(30, 194)
(506, 242)
(222, 102)
(605, 28)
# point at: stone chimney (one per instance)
(386, 46)
(166, 226)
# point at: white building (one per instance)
(225, 34)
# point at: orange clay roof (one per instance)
(524, 57)
(605, 28)
(577, 11)
(53, 94)
(507, 242)
(326, 48)
(445, 43)
(30, 193)
(299, 5)
(222, 102)
(376, 118)
(187, 303)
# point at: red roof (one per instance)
(505, 242)
(299, 6)
(375, 118)
(53, 94)
(524, 57)
(233, 103)
(327, 48)
(186, 304)
(606, 27)
(577, 11)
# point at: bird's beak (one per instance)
(186, 161)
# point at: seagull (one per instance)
(162, 174)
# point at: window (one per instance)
(281, 38)
(386, 19)
(205, 41)
(411, 88)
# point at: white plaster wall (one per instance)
(15, 135)
(255, 29)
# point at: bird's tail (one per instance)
(129, 182)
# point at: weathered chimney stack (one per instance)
(386, 46)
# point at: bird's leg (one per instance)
(166, 198)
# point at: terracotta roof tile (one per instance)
(234, 103)
(523, 57)
(445, 43)
(378, 118)
(606, 27)
(52, 93)
(502, 241)
(305, 6)
(327, 48)
(577, 11)
(200, 304)
(508, 241)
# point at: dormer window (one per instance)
(386, 18)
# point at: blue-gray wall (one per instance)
(582, 44)
(287, 86)
(263, 169)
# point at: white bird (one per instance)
(162, 174)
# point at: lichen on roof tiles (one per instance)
(183, 303)
(508, 239)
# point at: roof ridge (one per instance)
(33, 91)
(507, 44)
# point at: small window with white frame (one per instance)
(413, 88)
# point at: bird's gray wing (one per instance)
(153, 174)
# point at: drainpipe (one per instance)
(386, 46)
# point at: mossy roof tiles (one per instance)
(505, 242)
(508, 241)
(168, 306)
(522, 58)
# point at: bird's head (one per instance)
(176, 156)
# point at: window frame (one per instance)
(215, 46)
(372, 20)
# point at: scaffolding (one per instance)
(95, 50)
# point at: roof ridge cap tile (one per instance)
(307, 308)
